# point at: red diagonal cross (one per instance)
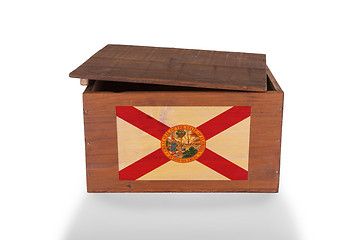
(157, 129)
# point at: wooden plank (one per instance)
(176, 67)
(101, 139)
(84, 82)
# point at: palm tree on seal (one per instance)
(181, 133)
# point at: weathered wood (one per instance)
(101, 136)
(176, 67)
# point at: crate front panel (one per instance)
(104, 154)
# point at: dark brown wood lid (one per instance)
(176, 67)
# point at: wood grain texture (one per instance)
(176, 67)
(101, 138)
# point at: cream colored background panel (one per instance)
(233, 143)
(129, 149)
(172, 116)
(183, 171)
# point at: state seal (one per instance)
(183, 143)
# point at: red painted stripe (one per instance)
(222, 166)
(142, 121)
(143, 166)
(224, 120)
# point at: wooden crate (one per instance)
(162, 120)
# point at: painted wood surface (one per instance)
(264, 148)
(177, 67)
(222, 132)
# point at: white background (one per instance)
(312, 49)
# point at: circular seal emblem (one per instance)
(183, 143)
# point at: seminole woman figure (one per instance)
(173, 144)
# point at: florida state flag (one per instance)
(183, 143)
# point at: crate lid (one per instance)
(176, 67)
